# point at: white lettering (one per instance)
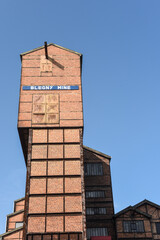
(50, 87)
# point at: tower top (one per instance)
(50, 44)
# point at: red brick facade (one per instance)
(53, 143)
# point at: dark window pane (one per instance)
(93, 169)
(158, 227)
(95, 194)
(95, 211)
(133, 226)
(91, 232)
(126, 226)
(139, 226)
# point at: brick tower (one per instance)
(50, 125)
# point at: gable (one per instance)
(53, 49)
(150, 209)
(94, 153)
(131, 212)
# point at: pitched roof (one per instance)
(50, 44)
(145, 201)
(130, 208)
(97, 152)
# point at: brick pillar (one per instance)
(51, 132)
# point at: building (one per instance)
(68, 186)
(141, 221)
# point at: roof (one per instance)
(50, 44)
(130, 208)
(97, 152)
(145, 201)
(16, 201)
(20, 199)
(10, 232)
(15, 213)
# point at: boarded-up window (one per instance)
(91, 232)
(45, 109)
(95, 210)
(95, 194)
(133, 226)
(93, 169)
(158, 227)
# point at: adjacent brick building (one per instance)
(141, 221)
(68, 186)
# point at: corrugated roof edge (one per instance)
(10, 232)
(50, 44)
(97, 152)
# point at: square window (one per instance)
(19, 224)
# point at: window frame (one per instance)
(96, 211)
(93, 163)
(131, 223)
(19, 226)
(104, 228)
(102, 191)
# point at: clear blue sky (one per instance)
(120, 42)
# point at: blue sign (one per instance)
(50, 87)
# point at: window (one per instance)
(95, 194)
(93, 169)
(158, 227)
(91, 232)
(95, 210)
(19, 224)
(133, 226)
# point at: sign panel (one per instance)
(50, 87)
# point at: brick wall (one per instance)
(13, 218)
(64, 68)
(19, 205)
(15, 235)
(100, 183)
(55, 182)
